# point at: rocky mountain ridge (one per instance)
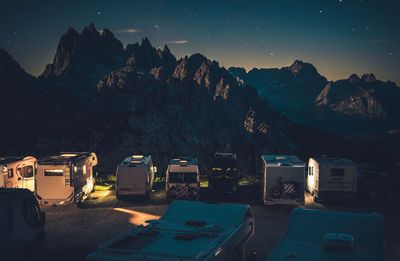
(99, 96)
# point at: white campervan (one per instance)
(18, 172)
(332, 178)
(65, 178)
(134, 176)
(21, 221)
(188, 230)
(283, 179)
(182, 180)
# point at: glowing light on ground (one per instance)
(137, 218)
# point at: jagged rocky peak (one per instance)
(369, 77)
(354, 78)
(300, 66)
(84, 49)
(145, 57)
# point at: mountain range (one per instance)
(97, 95)
(358, 108)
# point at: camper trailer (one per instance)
(65, 178)
(134, 176)
(188, 230)
(224, 175)
(283, 179)
(332, 178)
(182, 180)
(21, 221)
(18, 172)
(314, 235)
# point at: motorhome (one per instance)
(223, 177)
(18, 172)
(283, 179)
(332, 178)
(134, 176)
(21, 221)
(182, 179)
(314, 235)
(65, 178)
(188, 230)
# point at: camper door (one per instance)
(26, 172)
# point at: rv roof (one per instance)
(7, 193)
(195, 228)
(334, 161)
(64, 158)
(183, 161)
(282, 160)
(11, 159)
(225, 155)
(136, 160)
(308, 227)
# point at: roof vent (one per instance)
(340, 242)
(195, 223)
(185, 237)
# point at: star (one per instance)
(320, 11)
(390, 54)
(271, 54)
(98, 13)
(157, 26)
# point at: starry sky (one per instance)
(339, 37)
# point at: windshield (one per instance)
(224, 167)
(182, 177)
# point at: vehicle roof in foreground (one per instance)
(304, 239)
(197, 229)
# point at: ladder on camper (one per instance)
(68, 177)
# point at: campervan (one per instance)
(18, 172)
(188, 230)
(314, 235)
(134, 176)
(182, 179)
(65, 178)
(283, 179)
(21, 221)
(332, 178)
(224, 175)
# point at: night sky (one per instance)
(339, 37)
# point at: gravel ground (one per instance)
(73, 232)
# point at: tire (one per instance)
(315, 198)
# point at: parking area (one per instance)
(72, 232)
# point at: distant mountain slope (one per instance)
(358, 108)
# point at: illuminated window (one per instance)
(84, 169)
(10, 173)
(68, 155)
(75, 169)
(53, 172)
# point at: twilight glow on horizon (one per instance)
(339, 37)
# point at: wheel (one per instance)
(275, 192)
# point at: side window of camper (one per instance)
(310, 171)
(84, 169)
(53, 172)
(26, 172)
(10, 173)
(10, 219)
